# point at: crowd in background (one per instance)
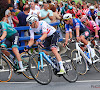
(50, 11)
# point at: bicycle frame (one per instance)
(42, 54)
(84, 55)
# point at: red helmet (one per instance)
(79, 14)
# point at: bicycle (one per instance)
(41, 66)
(81, 58)
(7, 66)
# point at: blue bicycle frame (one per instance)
(42, 54)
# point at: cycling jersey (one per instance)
(6, 27)
(92, 26)
(42, 28)
(91, 14)
(76, 23)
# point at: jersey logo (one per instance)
(86, 33)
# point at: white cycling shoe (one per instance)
(21, 70)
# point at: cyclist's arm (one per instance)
(77, 31)
(31, 42)
(3, 35)
(67, 37)
(43, 36)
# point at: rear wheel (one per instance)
(5, 70)
(96, 60)
(71, 74)
(42, 76)
(79, 62)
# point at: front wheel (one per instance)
(96, 60)
(25, 61)
(41, 75)
(79, 62)
(5, 70)
(71, 74)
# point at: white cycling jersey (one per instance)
(42, 28)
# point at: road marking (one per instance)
(89, 81)
(58, 81)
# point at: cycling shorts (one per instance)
(84, 32)
(12, 41)
(51, 41)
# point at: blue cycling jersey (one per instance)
(92, 14)
(76, 23)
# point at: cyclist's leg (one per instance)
(83, 37)
(53, 46)
(15, 42)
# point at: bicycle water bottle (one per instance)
(87, 54)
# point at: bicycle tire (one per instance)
(25, 61)
(5, 70)
(81, 64)
(71, 74)
(42, 76)
(97, 63)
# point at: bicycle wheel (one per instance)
(96, 60)
(25, 61)
(79, 62)
(71, 74)
(5, 70)
(42, 76)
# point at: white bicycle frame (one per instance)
(83, 54)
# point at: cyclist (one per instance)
(91, 25)
(49, 35)
(82, 33)
(11, 36)
(92, 13)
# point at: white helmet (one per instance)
(91, 7)
(67, 16)
(31, 18)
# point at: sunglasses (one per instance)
(65, 19)
(84, 22)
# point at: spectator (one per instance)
(37, 5)
(56, 16)
(7, 17)
(23, 15)
(20, 5)
(41, 5)
(46, 14)
(34, 11)
(14, 18)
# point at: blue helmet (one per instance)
(70, 7)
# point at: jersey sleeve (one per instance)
(77, 23)
(94, 24)
(4, 28)
(44, 27)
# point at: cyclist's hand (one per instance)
(38, 41)
(97, 36)
(26, 48)
(64, 44)
(78, 39)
